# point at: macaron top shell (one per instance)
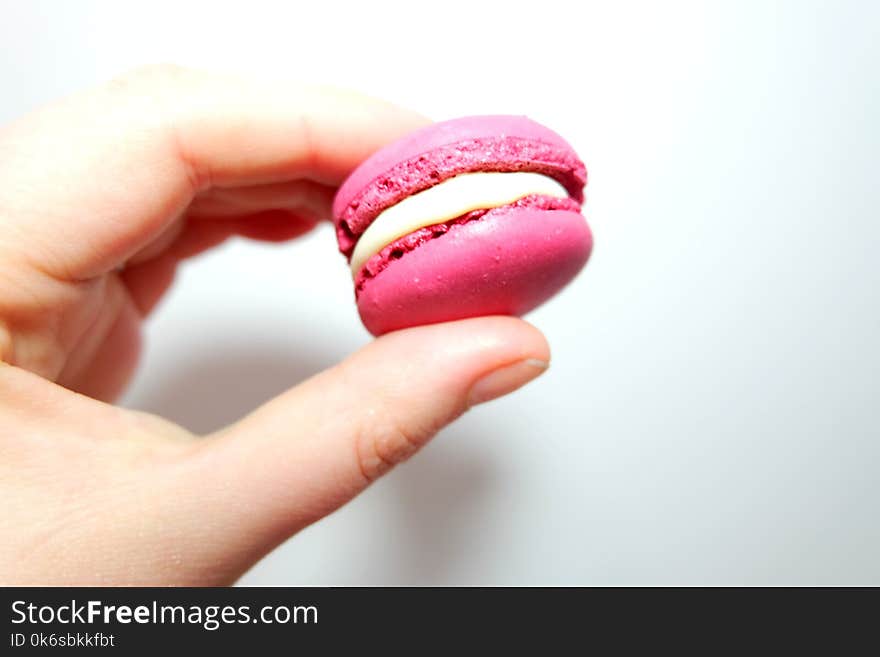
(443, 150)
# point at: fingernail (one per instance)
(505, 380)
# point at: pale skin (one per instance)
(102, 195)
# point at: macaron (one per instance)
(476, 216)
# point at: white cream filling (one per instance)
(448, 200)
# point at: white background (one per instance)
(711, 412)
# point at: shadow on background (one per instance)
(440, 508)
(216, 387)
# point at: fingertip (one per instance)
(495, 332)
(459, 353)
(505, 379)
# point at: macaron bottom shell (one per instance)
(503, 263)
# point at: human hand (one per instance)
(103, 195)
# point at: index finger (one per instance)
(91, 180)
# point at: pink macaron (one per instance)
(475, 216)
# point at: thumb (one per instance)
(313, 448)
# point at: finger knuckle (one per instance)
(382, 445)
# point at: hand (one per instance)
(102, 196)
